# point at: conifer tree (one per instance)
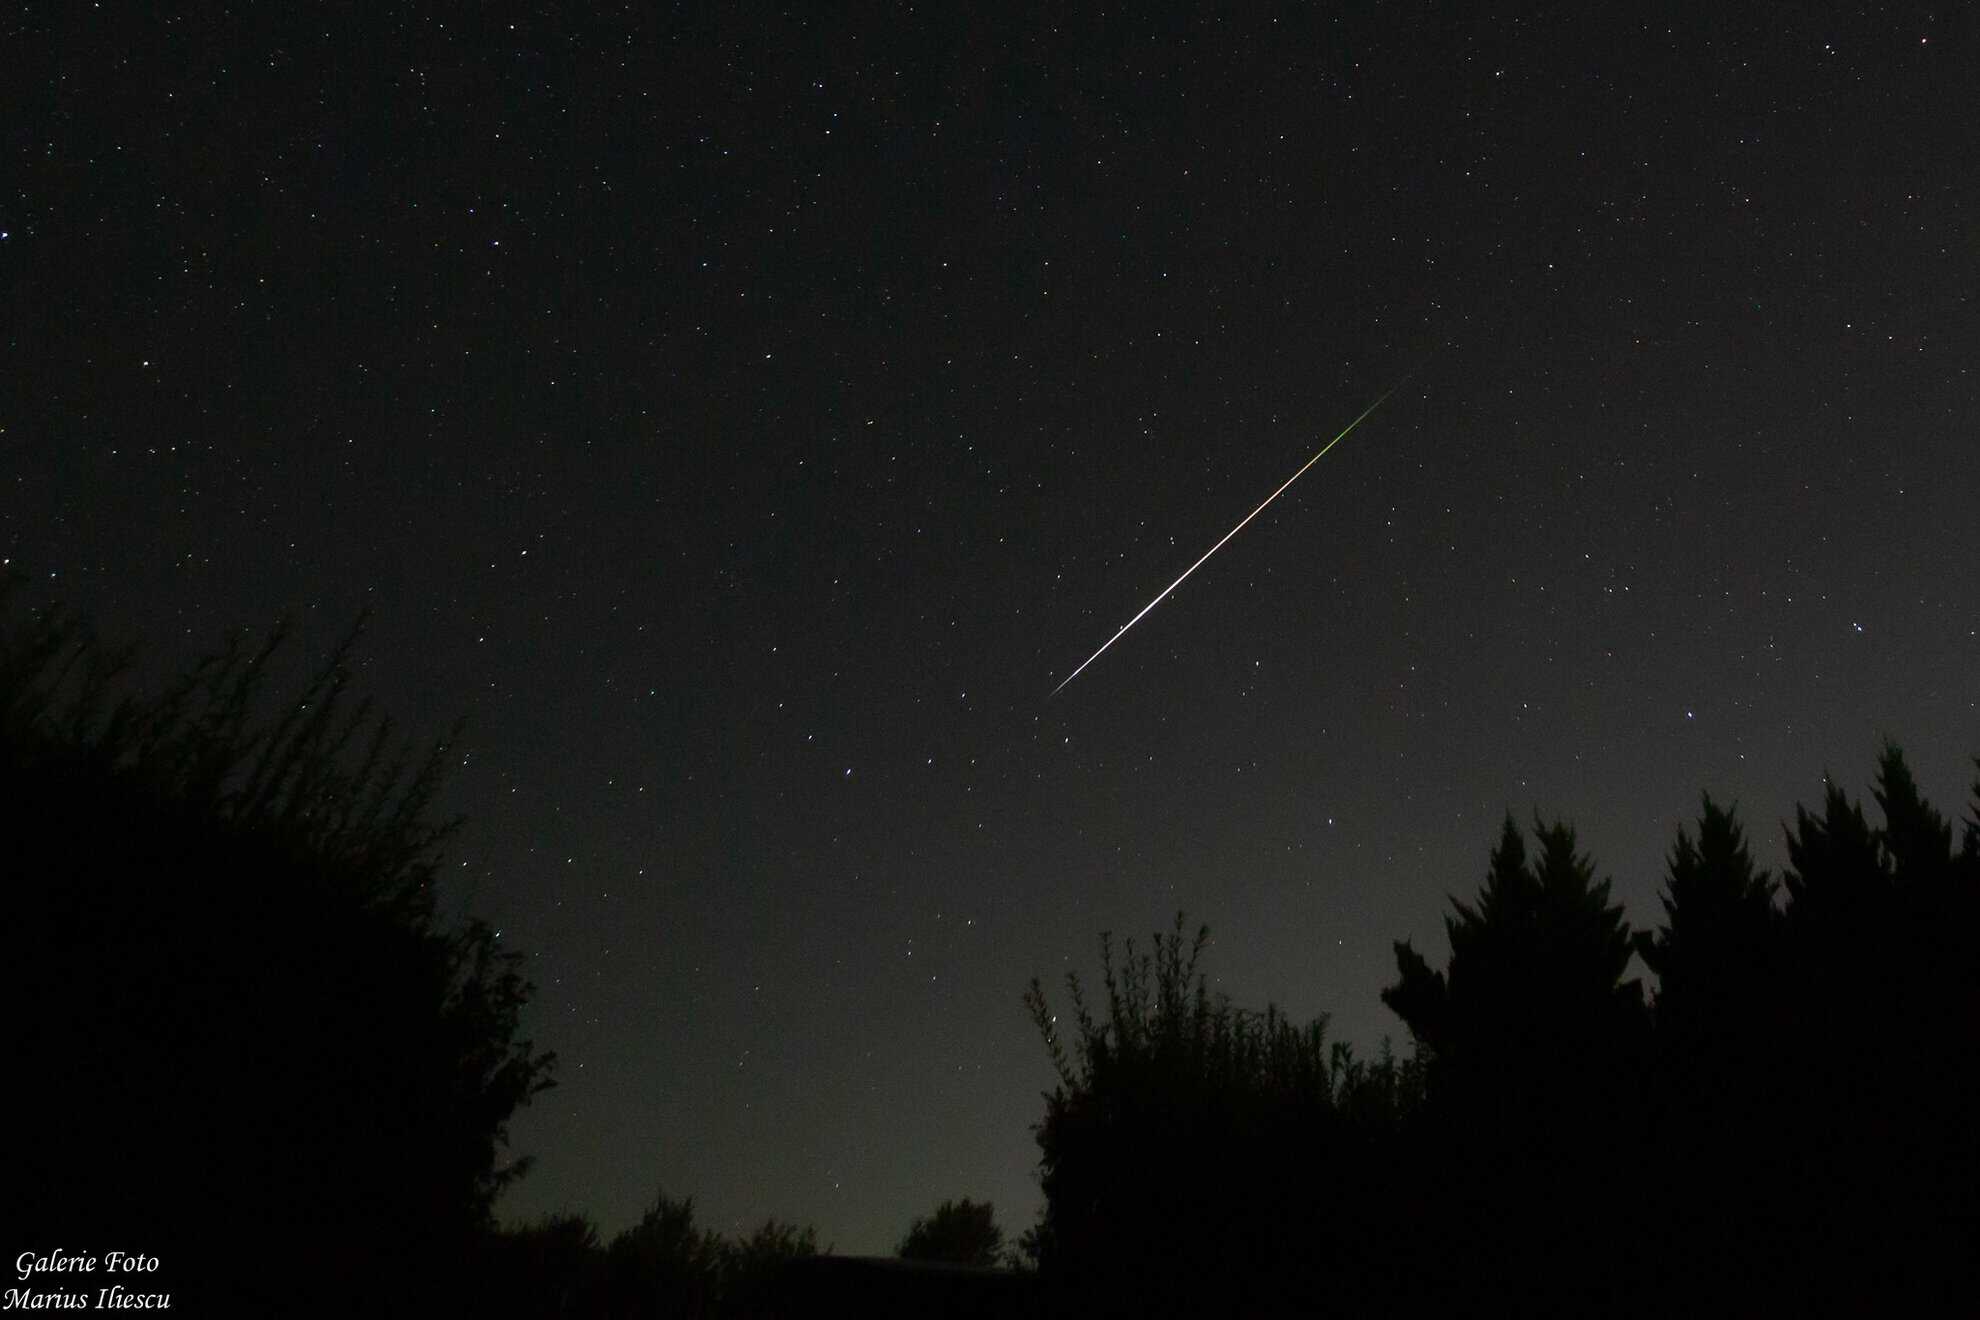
(1536, 967)
(1536, 1045)
(1718, 918)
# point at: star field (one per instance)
(745, 419)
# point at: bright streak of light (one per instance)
(1227, 536)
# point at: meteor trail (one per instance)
(1228, 535)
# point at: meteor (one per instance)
(1227, 536)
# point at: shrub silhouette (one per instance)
(256, 1049)
(961, 1232)
(551, 1269)
(665, 1265)
(1196, 1154)
(754, 1267)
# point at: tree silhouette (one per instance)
(255, 1044)
(1716, 1059)
(1916, 839)
(961, 1232)
(1535, 1045)
(1811, 1142)
(1535, 973)
(1718, 914)
(1878, 1069)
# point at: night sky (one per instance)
(745, 419)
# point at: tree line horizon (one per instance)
(266, 1030)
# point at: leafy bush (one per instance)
(256, 1047)
(1192, 1145)
(664, 1265)
(961, 1232)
